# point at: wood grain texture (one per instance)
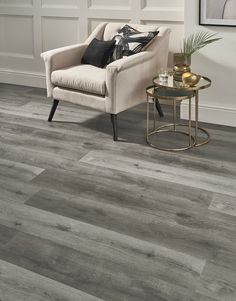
(175, 172)
(13, 190)
(144, 217)
(218, 282)
(17, 283)
(224, 204)
(85, 272)
(84, 218)
(6, 234)
(18, 171)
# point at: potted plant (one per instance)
(190, 45)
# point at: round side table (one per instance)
(174, 91)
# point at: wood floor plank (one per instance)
(6, 234)
(20, 171)
(81, 270)
(11, 122)
(34, 142)
(218, 282)
(177, 174)
(13, 190)
(157, 222)
(41, 111)
(49, 135)
(86, 218)
(224, 204)
(12, 96)
(99, 128)
(53, 131)
(41, 158)
(18, 284)
(38, 222)
(124, 189)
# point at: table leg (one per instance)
(190, 121)
(147, 116)
(197, 128)
(154, 113)
(196, 116)
(174, 114)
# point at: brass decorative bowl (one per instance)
(190, 79)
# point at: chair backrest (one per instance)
(106, 31)
(112, 28)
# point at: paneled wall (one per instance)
(29, 27)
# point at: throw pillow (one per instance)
(130, 41)
(98, 53)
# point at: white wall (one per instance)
(29, 27)
(217, 61)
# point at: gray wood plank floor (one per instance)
(85, 218)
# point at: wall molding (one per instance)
(211, 114)
(56, 23)
(24, 78)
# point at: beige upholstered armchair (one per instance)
(118, 87)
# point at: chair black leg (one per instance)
(53, 109)
(114, 126)
(159, 108)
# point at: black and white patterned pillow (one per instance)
(131, 41)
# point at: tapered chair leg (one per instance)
(114, 126)
(53, 109)
(159, 108)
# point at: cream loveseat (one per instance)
(118, 87)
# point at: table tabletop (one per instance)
(170, 83)
(168, 94)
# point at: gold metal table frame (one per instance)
(176, 92)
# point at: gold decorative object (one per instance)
(175, 92)
(190, 79)
(180, 59)
(190, 45)
(179, 70)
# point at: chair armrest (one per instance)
(61, 58)
(126, 80)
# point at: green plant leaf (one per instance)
(197, 41)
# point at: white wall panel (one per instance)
(162, 3)
(16, 35)
(58, 32)
(121, 4)
(16, 3)
(93, 23)
(28, 27)
(60, 4)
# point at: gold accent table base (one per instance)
(175, 95)
(191, 138)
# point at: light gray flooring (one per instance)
(85, 218)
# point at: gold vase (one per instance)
(180, 59)
(181, 65)
(179, 70)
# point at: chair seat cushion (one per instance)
(86, 78)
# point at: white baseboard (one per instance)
(212, 114)
(32, 79)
